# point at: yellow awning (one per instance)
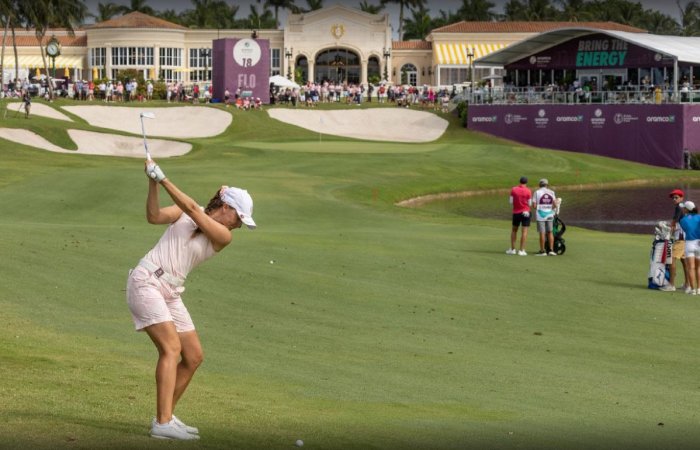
(456, 53)
(32, 62)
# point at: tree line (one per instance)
(416, 20)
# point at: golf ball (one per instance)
(300, 443)
(272, 261)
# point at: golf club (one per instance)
(147, 115)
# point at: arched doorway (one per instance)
(373, 67)
(338, 65)
(409, 74)
(301, 69)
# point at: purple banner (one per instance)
(649, 134)
(241, 63)
(691, 136)
(596, 51)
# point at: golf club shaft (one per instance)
(145, 144)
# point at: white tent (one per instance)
(281, 81)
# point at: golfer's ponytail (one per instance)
(214, 204)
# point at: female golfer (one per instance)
(690, 223)
(194, 234)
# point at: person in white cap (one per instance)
(544, 201)
(154, 286)
(690, 223)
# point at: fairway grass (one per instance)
(343, 320)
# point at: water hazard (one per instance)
(621, 209)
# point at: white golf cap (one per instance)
(241, 201)
(688, 205)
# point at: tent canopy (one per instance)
(281, 81)
(684, 49)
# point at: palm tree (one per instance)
(530, 10)
(402, 4)
(603, 10)
(106, 11)
(258, 20)
(420, 25)
(658, 23)
(514, 10)
(171, 16)
(276, 5)
(476, 10)
(9, 14)
(372, 9)
(445, 18)
(690, 18)
(312, 5)
(42, 15)
(629, 13)
(574, 10)
(200, 16)
(137, 6)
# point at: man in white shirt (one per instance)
(544, 202)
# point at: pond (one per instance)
(613, 209)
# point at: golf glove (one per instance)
(155, 173)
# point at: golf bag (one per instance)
(660, 259)
(558, 229)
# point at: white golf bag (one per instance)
(660, 259)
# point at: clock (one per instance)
(53, 48)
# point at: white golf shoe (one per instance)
(511, 251)
(181, 424)
(171, 430)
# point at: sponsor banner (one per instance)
(650, 134)
(593, 52)
(241, 63)
(691, 136)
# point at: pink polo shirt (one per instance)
(179, 251)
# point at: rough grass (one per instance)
(343, 320)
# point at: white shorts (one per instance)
(153, 301)
(692, 249)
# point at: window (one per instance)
(409, 75)
(170, 75)
(132, 56)
(200, 63)
(97, 56)
(373, 68)
(171, 57)
(453, 75)
(275, 61)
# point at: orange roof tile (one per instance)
(529, 27)
(79, 40)
(136, 20)
(411, 45)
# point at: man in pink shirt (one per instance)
(520, 199)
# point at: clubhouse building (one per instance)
(336, 43)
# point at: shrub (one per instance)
(462, 109)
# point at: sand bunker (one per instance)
(179, 122)
(379, 124)
(91, 143)
(37, 109)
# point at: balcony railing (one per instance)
(550, 95)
